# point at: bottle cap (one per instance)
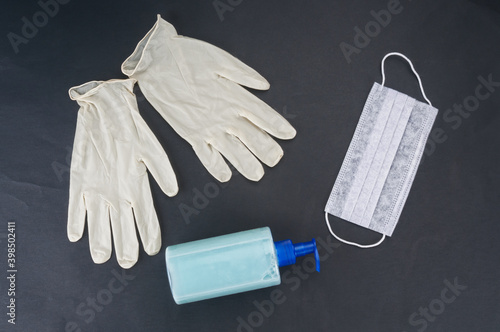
(287, 252)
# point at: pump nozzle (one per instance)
(287, 252)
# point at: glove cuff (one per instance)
(138, 60)
(85, 90)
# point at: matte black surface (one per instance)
(449, 229)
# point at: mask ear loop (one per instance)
(362, 246)
(412, 68)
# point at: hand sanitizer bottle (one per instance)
(230, 264)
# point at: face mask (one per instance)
(382, 159)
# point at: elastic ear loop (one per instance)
(412, 68)
(362, 246)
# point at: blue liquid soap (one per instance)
(230, 264)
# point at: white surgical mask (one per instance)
(382, 159)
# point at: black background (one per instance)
(449, 228)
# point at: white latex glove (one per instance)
(195, 86)
(108, 182)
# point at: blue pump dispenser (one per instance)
(287, 252)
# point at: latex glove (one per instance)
(195, 86)
(108, 182)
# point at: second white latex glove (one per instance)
(109, 183)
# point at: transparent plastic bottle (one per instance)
(229, 264)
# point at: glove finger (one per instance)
(124, 235)
(99, 230)
(259, 142)
(76, 204)
(231, 68)
(258, 112)
(146, 219)
(76, 214)
(238, 155)
(155, 158)
(213, 161)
